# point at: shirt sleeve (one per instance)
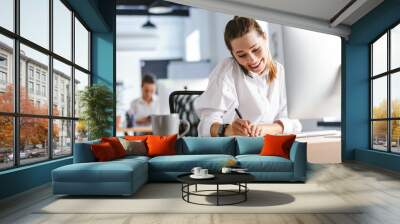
(219, 97)
(289, 125)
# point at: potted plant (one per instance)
(96, 104)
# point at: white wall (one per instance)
(218, 50)
(312, 65)
(197, 22)
(135, 44)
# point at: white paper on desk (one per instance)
(318, 133)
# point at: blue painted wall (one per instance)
(355, 71)
(104, 52)
(100, 18)
(24, 178)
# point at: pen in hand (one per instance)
(241, 117)
(238, 113)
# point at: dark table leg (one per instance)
(245, 193)
(217, 194)
(188, 189)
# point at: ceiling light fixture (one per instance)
(149, 24)
(160, 7)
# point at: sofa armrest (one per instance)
(298, 155)
(83, 152)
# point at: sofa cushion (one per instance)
(257, 163)
(277, 145)
(134, 147)
(131, 158)
(112, 171)
(206, 145)
(136, 137)
(161, 145)
(103, 152)
(116, 145)
(249, 145)
(185, 163)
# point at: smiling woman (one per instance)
(250, 82)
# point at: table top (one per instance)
(220, 178)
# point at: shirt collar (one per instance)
(261, 76)
(141, 100)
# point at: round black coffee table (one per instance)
(238, 179)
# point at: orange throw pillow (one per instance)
(136, 137)
(161, 145)
(277, 145)
(103, 152)
(116, 145)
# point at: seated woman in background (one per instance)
(143, 107)
(251, 82)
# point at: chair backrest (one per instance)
(181, 102)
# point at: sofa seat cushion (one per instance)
(185, 163)
(257, 163)
(112, 171)
(133, 158)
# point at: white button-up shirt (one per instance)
(139, 108)
(257, 100)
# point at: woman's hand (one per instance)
(263, 129)
(238, 127)
(256, 130)
(272, 129)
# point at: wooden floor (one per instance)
(378, 188)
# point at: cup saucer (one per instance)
(208, 176)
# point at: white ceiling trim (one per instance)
(269, 15)
(348, 12)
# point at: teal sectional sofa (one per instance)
(125, 176)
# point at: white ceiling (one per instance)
(315, 15)
(321, 9)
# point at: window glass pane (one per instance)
(35, 21)
(395, 47)
(81, 131)
(62, 138)
(6, 142)
(379, 55)
(62, 29)
(34, 72)
(7, 14)
(81, 81)
(395, 94)
(33, 139)
(379, 98)
(395, 136)
(6, 74)
(81, 45)
(379, 135)
(62, 89)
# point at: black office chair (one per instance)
(181, 102)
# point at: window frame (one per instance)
(388, 74)
(16, 115)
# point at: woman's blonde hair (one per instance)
(238, 27)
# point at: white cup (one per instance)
(196, 171)
(203, 172)
(226, 170)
